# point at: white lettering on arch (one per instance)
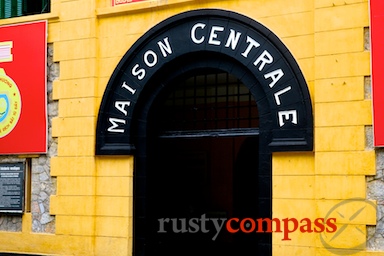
(252, 43)
(279, 93)
(165, 47)
(263, 59)
(193, 33)
(115, 124)
(275, 76)
(127, 87)
(120, 105)
(213, 35)
(148, 61)
(138, 72)
(233, 39)
(287, 115)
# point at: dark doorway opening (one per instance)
(200, 179)
(204, 166)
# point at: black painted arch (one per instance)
(185, 56)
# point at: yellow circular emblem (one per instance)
(10, 104)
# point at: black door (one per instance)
(202, 164)
(197, 183)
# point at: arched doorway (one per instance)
(204, 168)
(172, 130)
(131, 112)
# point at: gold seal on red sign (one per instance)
(10, 104)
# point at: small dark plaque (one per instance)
(12, 187)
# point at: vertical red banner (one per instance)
(23, 94)
(377, 67)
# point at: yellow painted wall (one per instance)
(93, 204)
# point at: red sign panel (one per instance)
(119, 2)
(23, 101)
(377, 51)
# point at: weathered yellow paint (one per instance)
(94, 201)
(106, 51)
(340, 138)
(307, 67)
(114, 166)
(301, 187)
(112, 226)
(331, 3)
(102, 84)
(87, 127)
(73, 205)
(340, 89)
(302, 46)
(333, 42)
(53, 32)
(293, 163)
(342, 17)
(73, 166)
(106, 66)
(77, 29)
(345, 187)
(81, 225)
(345, 162)
(79, 68)
(81, 47)
(105, 245)
(66, 89)
(343, 113)
(114, 186)
(343, 65)
(114, 206)
(76, 186)
(76, 146)
(79, 107)
(353, 237)
(297, 24)
(79, 9)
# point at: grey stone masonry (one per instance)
(375, 191)
(375, 184)
(375, 187)
(42, 184)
